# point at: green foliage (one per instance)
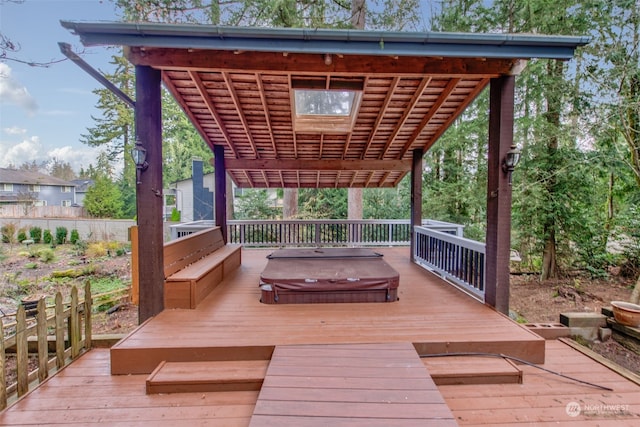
(47, 238)
(61, 235)
(175, 215)
(323, 203)
(36, 234)
(103, 199)
(387, 203)
(22, 236)
(8, 232)
(31, 265)
(75, 237)
(256, 204)
(46, 255)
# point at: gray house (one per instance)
(26, 188)
(82, 186)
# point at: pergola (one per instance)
(246, 89)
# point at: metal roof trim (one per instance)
(292, 40)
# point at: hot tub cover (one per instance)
(328, 269)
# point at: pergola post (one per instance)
(498, 238)
(149, 199)
(416, 195)
(220, 193)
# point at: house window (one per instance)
(66, 189)
(6, 187)
(40, 203)
(34, 188)
(66, 203)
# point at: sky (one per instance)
(45, 110)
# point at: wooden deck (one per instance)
(232, 324)
(84, 393)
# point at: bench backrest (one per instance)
(188, 249)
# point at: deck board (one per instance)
(231, 322)
(395, 364)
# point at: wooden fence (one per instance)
(69, 322)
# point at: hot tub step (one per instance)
(455, 370)
(186, 377)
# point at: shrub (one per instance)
(22, 236)
(47, 237)
(75, 236)
(8, 232)
(36, 234)
(175, 215)
(96, 250)
(46, 254)
(61, 235)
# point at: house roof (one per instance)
(237, 86)
(14, 176)
(82, 185)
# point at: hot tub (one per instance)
(328, 275)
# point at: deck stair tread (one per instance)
(451, 370)
(349, 385)
(201, 376)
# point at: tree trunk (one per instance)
(230, 198)
(290, 203)
(549, 268)
(552, 117)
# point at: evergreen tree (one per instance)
(103, 199)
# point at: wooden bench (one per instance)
(194, 265)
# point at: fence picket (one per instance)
(59, 320)
(3, 378)
(87, 314)
(43, 345)
(22, 352)
(74, 324)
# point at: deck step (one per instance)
(201, 376)
(458, 370)
(349, 385)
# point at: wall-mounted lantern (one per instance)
(139, 155)
(511, 159)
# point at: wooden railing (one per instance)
(460, 261)
(275, 233)
(69, 322)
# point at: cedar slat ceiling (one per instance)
(243, 101)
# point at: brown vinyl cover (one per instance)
(328, 269)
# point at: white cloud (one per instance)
(16, 154)
(31, 149)
(58, 113)
(14, 92)
(14, 130)
(77, 157)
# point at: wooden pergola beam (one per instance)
(269, 62)
(317, 165)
